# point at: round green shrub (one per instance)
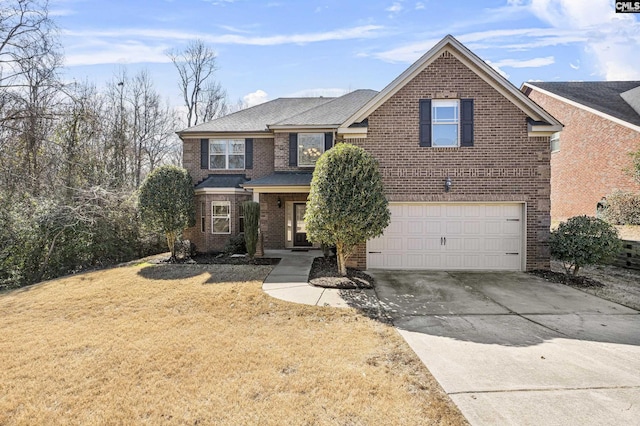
(583, 240)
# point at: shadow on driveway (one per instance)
(511, 348)
(504, 308)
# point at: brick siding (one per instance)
(503, 165)
(272, 217)
(262, 160)
(593, 159)
(207, 241)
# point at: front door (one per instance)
(299, 229)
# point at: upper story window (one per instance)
(310, 148)
(444, 122)
(555, 142)
(226, 154)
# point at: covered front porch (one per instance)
(282, 197)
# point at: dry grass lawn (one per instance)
(201, 344)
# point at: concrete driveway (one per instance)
(511, 348)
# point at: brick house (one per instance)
(463, 153)
(590, 159)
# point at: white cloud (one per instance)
(255, 98)
(611, 40)
(94, 53)
(419, 5)
(395, 7)
(326, 92)
(526, 63)
(61, 12)
(575, 66)
(497, 68)
(362, 31)
(137, 45)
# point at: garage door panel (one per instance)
(511, 228)
(472, 236)
(415, 244)
(472, 261)
(471, 244)
(511, 245)
(432, 244)
(433, 228)
(472, 227)
(415, 261)
(415, 210)
(454, 228)
(454, 244)
(395, 228)
(453, 211)
(393, 244)
(393, 261)
(415, 227)
(493, 227)
(493, 245)
(432, 210)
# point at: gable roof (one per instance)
(477, 65)
(332, 113)
(606, 97)
(283, 113)
(257, 118)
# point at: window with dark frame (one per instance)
(241, 217)
(310, 148)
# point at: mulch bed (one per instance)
(570, 280)
(324, 273)
(223, 259)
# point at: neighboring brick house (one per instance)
(590, 159)
(463, 153)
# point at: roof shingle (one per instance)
(603, 96)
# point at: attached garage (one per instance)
(466, 236)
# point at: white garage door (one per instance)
(450, 236)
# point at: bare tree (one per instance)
(29, 61)
(25, 35)
(203, 97)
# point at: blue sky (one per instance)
(274, 48)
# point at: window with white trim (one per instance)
(241, 217)
(226, 154)
(555, 142)
(220, 217)
(202, 217)
(310, 148)
(445, 121)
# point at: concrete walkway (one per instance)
(289, 280)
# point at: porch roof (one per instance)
(284, 179)
(222, 181)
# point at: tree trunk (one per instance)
(342, 261)
(171, 242)
(575, 270)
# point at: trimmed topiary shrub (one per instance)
(346, 204)
(623, 208)
(251, 224)
(583, 240)
(166, 202)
